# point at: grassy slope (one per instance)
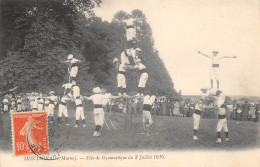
(170, 133)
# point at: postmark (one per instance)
(30, 133)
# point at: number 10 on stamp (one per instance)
(29, 132)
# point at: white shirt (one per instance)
(76, 91)
(220, 99)
(149, 99)
(129, 22)
(216, 59)
(222, 111)
(98, 98)
(35, 104)
(78, 101)
(121, 67)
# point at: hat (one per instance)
(70, 56)
(115, 60)
(52, 93)
(215, 51)
(138, 49)
(96, 90)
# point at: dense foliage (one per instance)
(37, 35)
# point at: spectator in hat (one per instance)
(245, 110)
(257, 111)
(252, 113)
(19, 103)
(238, 112)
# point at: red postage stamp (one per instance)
(30, 133)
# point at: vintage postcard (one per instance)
(130, 83)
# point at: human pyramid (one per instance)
(129, 59)
(215, 95)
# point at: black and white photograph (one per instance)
(130, 83)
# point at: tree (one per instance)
(39, 35)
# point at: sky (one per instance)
(183, 27)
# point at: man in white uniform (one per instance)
(19, 103)
(73, 66)
(53, 102)
(75, 89)
(31, 99)
(214, 74)
(35, 105)
(130, 29)
(97, 99)
(79, 111)
(147, 118)
(121, 81)
(5, 104)
(222, 123)
(46, 105)
(40, 104)
(143, 78)
(63, 109)
(196, 117)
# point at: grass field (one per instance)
(169, 133)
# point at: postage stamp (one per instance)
(30, 133)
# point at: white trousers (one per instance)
(222, 124)
(143, 79)
(74, 71)
(196, 123)
(214, 73)
(50, 111)
(130, 34)
(147, 118)
(5, 107)
(80, 113)
(40, 107)
(99, 116)
(63, 110)
(19, 107)
(121, 82)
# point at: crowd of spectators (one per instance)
(238, 110)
